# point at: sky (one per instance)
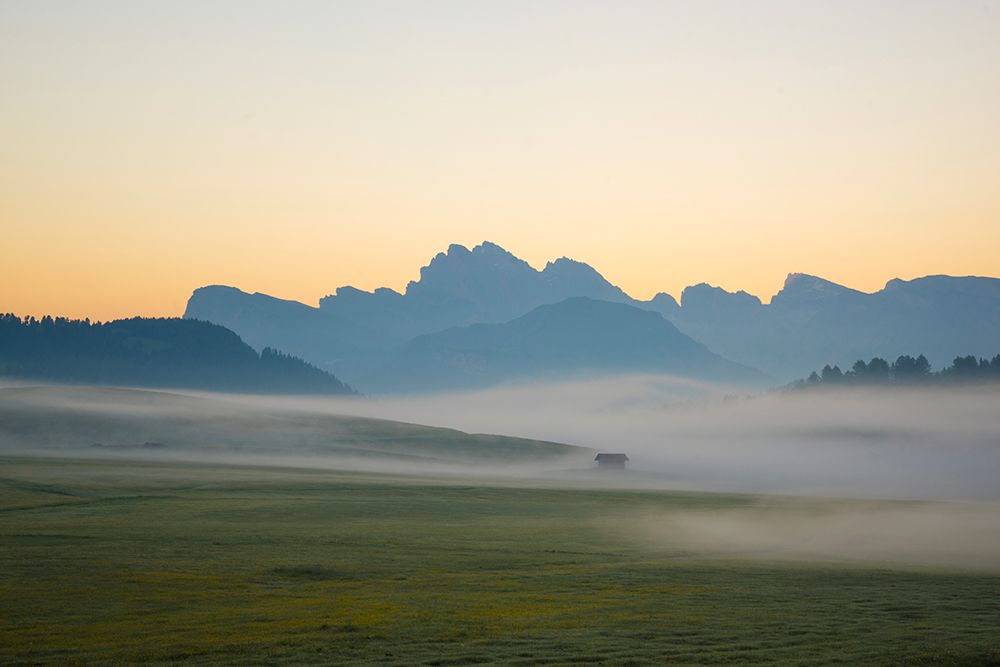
(149, 148)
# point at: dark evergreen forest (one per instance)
(152, 352)
(905, 371)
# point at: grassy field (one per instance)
(112, 562)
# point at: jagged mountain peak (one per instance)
(797, 282)
(571, 268)
(802, 289)
(565, 263)
(569, 277)
(564, 267)
(487, 250)
(704, 295)
(459, 264)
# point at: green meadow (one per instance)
(110, 562)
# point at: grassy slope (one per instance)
(104, 562)
(79, 417)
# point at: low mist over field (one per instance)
(940, 449)
(372, 518)
(922, 443)
(924, 534)
(678, 434)
(213, 428)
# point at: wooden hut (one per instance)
(611, 460)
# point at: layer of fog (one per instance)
(125, 424)
(935, 534)
(861, 443)
(678, 434)
(922, 444)
(414, 470)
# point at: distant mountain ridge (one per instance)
(152, 352)
(352, 330)
(462, 286)
(575, 337)
(811, 321)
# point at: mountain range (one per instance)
(812, 321)
(480, 316)
(575, 337)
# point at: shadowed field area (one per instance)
(114, 561)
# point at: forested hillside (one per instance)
(144, 352)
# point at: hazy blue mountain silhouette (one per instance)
(572, 338)
(810, 322)
(462, 286)
(331, 341)
(352, 330)
(143, 352)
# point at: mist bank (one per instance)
(679, 434)
(926, 534)
(93, 422)
(921, 443)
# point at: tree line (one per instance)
(906, 370)
(151, 352)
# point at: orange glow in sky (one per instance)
(151, 148)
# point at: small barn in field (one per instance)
(611, 460)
